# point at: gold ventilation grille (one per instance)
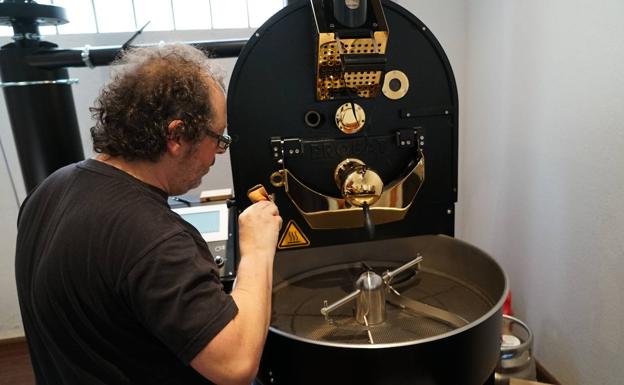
(332, 81)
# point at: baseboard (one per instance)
(13, 340)
(544, 375)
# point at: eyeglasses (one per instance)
(223, 141)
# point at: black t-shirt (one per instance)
(114, 288)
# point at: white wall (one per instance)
(542, 176)
(10, 323)
(541, 183)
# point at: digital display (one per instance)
(211, 220)
(206, 222)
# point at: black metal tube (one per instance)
(102, 56)
(42, 114)
(350, 13)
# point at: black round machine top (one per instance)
(342, 122)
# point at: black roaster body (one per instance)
(271, 92)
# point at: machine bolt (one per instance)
(408, 115)
(219, 260)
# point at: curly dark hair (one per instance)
(150, 87)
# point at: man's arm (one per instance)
(232, 356)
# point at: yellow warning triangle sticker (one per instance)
(293, 237)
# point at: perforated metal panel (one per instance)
(331, 80)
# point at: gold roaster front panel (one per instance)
(331, 80)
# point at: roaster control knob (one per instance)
(358, 184)
(219, 260)
(350, 118)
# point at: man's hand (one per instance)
(259, 227)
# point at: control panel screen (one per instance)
(210, 220)
(207, 222)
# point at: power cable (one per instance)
(6, 162)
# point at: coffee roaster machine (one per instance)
(347, 111)
(350, 110)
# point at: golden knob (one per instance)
(350, 118)
(358, 184)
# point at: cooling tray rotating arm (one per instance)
(420, 308)
(372, 291)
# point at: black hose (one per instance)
(368, 221)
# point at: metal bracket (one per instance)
(293, 147)
(411, 137)
(26, 36)
(86, 58)
(286, 148)
(425, 111)
(420, 137)
(406, 138)
(276, 148)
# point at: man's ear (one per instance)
(174, 139)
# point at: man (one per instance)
(115, 288)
